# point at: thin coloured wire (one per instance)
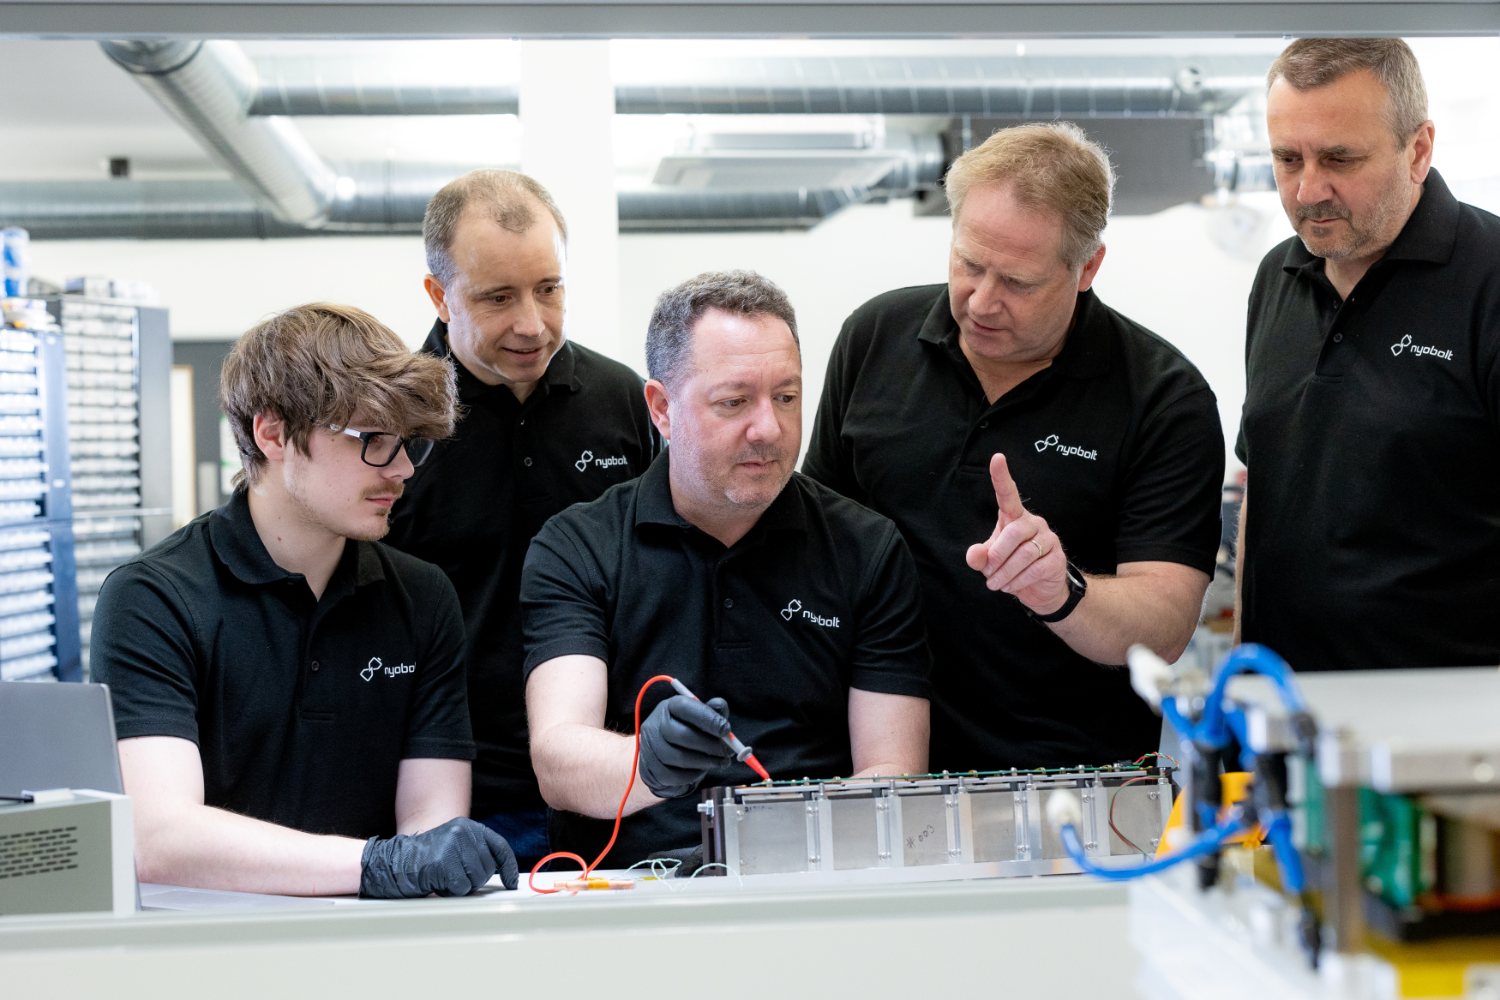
(1163, 756)
(1115, 798)
(718, 864)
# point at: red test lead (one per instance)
(741, 752)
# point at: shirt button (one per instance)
(316, 666)
(984, 424)
(526, 461)
(523, 421)
(728, 602)
(1338, 338)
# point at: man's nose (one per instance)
(763, 424)
(400, 468)
(1313, 184)
(987, 299)
(528, 318)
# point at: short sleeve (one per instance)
(143, 647)
(890, 653)
(828, 460)
(562, 604)
(438, 725)
(1174, 486)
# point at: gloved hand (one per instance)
(451, 860)
(680, 744)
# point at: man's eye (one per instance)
(731, 403)
(787, 397)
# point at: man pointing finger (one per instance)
(943, 403)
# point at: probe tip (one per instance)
(755, 766)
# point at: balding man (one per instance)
(544, 423)
(1013, 388)
(1371, 427)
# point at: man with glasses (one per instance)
(289, 693)
(546, 423)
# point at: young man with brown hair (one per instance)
(289, 693)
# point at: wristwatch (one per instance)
(1077, 587)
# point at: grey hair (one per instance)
(509, 197)
(1317, 62)
(669, 337)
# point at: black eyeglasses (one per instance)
(380, 449)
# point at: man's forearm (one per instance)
(203, 847)
(1120, 611)
(584, 769)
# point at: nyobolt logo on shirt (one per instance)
(1051, 441)
(587, 459)
(795, 608)
(1417, 350)
(377, 666)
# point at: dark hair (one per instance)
(1317, 62)
(670, 334)
(319, 364)
(509, 197)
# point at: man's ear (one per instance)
(270, 436)
(657, 401)
(438, 295)
(1090, 269)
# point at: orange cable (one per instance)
(619, 813)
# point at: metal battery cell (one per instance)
(985, 824)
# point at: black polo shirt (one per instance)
(474, 505)
(1371, 431)
(1117, 444)
(819, 597)
(302, 710)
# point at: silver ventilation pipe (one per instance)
(991, 87)
(344, 85)
(996, 87)
(207, 87)
(218, 209)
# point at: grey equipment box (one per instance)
(72, 852)
(933, 827)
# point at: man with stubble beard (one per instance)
(790, 609)
(1371, 427)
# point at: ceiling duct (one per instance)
(998, 87)
(206, 87)
(343, 85)
(1024, 87)
(218, 209)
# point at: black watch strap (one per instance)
(1077, 587)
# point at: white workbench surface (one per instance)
(1054, 937)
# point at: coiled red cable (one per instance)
(619, 813)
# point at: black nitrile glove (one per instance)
(451, 860)
(681, 742)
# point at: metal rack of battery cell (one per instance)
(111, 523)
(38, 610)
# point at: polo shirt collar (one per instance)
(232, 532)
(1086, 353)
(562, 370)
(654, 502)
(1429, 235)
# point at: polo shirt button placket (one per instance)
(526, 461)
(316, 666)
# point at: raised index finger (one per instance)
(1007, 497)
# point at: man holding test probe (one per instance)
(791, 610)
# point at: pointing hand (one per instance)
(1023, 556)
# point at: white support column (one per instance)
(567, 115)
